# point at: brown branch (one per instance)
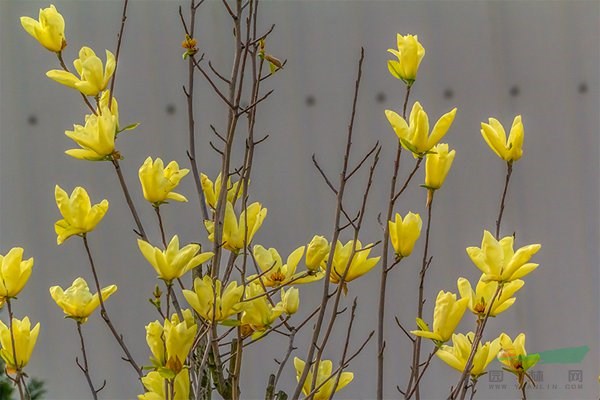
(85, 368)
(140, 229)
(18, 378)
(119, 40)
(499, 220)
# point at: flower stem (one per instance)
(17, 380)
(85, 369)
(160, 225)
(499, 220)
(140, 230)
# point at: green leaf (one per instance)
(231, 322)
(129, 127)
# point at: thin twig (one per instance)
(499, 220)
(140, 229)
(119, 40)
(85, 368)
(17, 380)
(161, 227)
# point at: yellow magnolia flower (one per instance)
(404, 233)
(158, 181)
(275, 273)
(49, 30)
(510, 149)
(25, 339)
(234, 232)
(446, 316)
(480, 299)
(410, 53)
(79, 216)
(179, 337)
(514, 356)
(211, 190)
(290, 300)
(414, 135)
(324, 378)
(359, 265)
(77, 301)
(457, 355)
(317, 251)
(259, 314)
(173, 262)
(437, 166)
(499, 262)
(156, 386)
(156, 343)
(96, 137)
(92, 77)
(206, 292)
(14, 273)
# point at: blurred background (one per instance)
(538, 59)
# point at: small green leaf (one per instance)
(230, 322)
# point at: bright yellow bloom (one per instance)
(234, 233)
(510, 149)
(93, 78)
(156, 343)
(437, 166)
(202, 299)
(259, 314)
(446, 316)
(480, 299)
(325, 377)
(499, 262)
(156, 385)
(514, 356)
(290, 300)
(158, 181)
(77, 301)
(173, 262)
(317, 251)
(96, 137)
(457, 355)
(179, 337)
(25, 339)
(414, 135)
(410, 53)
(275, 273)
(404, 233)
(211, 190)
(14, 273)
(359, 265)
(79, 216)
(49, 30)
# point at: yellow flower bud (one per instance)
(259, 313)
(25, 339)
(93, 78)
(14, 273)
(96, 137)
(414, 135)
(457, 355)
(79, 216)
(317, 251)
(437, 166)
(211, 190)
(234, 232)
(410, 53)
(158, 182)
(514, 356)
(481, 297)
(324, 381)
(359, 265)
(404, 233)
(77, 301)
(290, 300)
(447, 314)
(173, 262)
(156, 343)
(156, 385)
(212, 304)
(510, 149)
(49, 30)
(499, 262)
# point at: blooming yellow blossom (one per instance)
(93, 78)
(79, 216)
(25, 339)
(510, 149)
(290, 300)
(211, 190)
(49, 30)
(414, 135)
(410, 53)
(447, 314)
(457, 355)
(481, 297)
(158, 182)
(156, 343)
(173, 262)
(499, 262)
(325, 379)
(156, 386)
(96, 137)
(274, 273)
(359, 265)
(259, 313)
(235, 232)
(14, 273)
(317, 251)
(77, 301)
(206, 292)
(437, 166)
(179, 337)
(514, 356)
(404, 233)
